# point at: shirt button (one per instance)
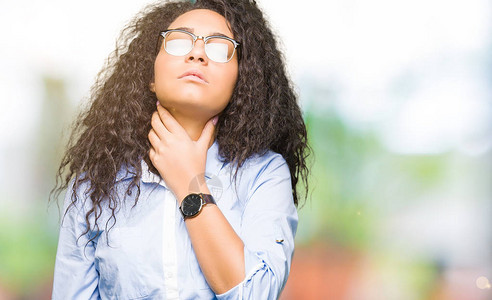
(169, 275)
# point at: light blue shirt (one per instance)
(150, 255)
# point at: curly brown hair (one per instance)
(263, 113)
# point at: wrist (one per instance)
(183, 192)
(188, 184)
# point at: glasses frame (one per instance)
(195, 38)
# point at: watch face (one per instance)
(191, 205)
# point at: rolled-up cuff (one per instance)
(253, 264)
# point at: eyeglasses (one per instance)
(218, 48)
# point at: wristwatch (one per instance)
(193, 204)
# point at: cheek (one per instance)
(230, 79)
(225, 88)
(162, 80)
(228, 88)
(160, 68)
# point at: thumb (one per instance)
(208, 132)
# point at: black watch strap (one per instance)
(208, 199)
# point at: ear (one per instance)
(152, 87)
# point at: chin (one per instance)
(193, 102)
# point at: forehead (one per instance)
(202, 22)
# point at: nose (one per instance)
(198, 52)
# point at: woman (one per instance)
(182, 173)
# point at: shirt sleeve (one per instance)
(75, 275)
(268, 229)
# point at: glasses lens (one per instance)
(219, 49)
(178, 43)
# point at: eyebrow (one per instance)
(193, 31)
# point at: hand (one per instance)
(175, 155)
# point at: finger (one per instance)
(154, 138)
(207, 132)
(152, 153)
(158, 126)
(169, 121)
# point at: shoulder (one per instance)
(80, 190)
(269, 163)
(262, 170)
(77, 193)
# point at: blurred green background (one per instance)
(397, 100)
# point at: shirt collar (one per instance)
(149, 177)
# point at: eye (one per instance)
(219, 49)
(178, 43)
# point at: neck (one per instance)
(192, 125)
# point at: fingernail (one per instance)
(215, 119)
(157, 103)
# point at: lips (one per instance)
(194, 75)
